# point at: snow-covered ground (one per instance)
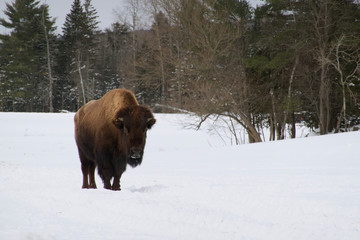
(188, 187)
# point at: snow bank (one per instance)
(188, 187)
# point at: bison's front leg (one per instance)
(105, 168)
(107, 183)
(119, 164)
(106, 176)
(116, 184)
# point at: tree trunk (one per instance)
(342, 82)
(161, 62)
(254, 136)
(134, 5)
(51, 81)
(322, 28)
(276, 125)
(272, 129)
(78, 62)
(324, 100)
(293, 125)
(288, 98)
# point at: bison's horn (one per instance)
(150, 122)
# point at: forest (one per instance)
(274, 65)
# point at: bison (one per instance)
(111, 133)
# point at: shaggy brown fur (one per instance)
(111, 133)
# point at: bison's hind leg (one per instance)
(92, 167)
(88, 171)
(85, 172)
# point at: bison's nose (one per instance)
(135, 153)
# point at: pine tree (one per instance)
(91, 23)
(73, 30)
(113, 54)
(77, 49)
(23, 56)
(91, 28)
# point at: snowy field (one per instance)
(187, 187)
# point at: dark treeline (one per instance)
(277, 64)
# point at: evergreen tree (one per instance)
(113, 54)
(91, 23)
(77, 53)
(23, 56)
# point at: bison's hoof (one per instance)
(89, 186)
(116, 188)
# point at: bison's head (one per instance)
(134, 122)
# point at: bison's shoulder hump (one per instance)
(117, 99)
(121, 96)
(103, 110)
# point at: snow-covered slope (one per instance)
(186, 188)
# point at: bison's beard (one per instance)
(133, 162)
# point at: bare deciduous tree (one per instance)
(342, 57)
